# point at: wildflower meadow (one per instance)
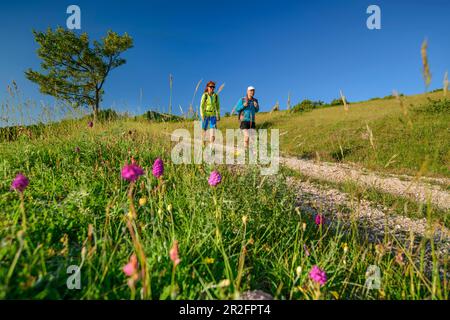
(120, 183)
(140, 227)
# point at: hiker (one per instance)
(246, 109)
(209, 110)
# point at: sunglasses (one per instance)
(212, 87)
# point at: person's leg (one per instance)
(246, 138)
(213, 126)
(204, 128)
(251, 137)
(244, 127)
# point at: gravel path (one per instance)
(403, 186)
(372, 218)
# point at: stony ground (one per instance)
(375, 221)
(418, 189)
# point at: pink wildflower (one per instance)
(20, 183)
(318, 275)
(319, 220)
(131, 268)
(174, 254)
(214, 179)
(158, 168)
(131, 172)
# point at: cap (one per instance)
(250, 88)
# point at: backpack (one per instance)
(240, 113)
(205, 95)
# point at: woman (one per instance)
(246, 108)
(209, 110)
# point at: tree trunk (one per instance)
(97, 105)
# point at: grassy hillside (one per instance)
(337, 135)
(401, 143)
(244, 234)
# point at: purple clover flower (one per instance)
(318, 275)
(131, 172)
(319, 219)
(214, 179)
(20, 183)
(158, 168)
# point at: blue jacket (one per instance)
(249, 111)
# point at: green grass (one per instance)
(339, 136)
(269, 249)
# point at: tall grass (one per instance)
(288, 104)
(445, 84)
(170, 95)
(191, 113)
(26, 119)
(344, 100)
(426, 67)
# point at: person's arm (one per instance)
(202, 103)
(239, 106)
(256, 104)
(218, 108)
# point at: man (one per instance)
(246, 108)
(209, 110)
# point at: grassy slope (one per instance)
(70, 191)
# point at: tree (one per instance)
(307, 105)
(336, 102)
(75, 71)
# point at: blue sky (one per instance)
(312, 49)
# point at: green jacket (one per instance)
(210, 105)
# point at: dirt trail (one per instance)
(416, 189)
(376, 221)
(372, 219)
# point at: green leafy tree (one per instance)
(75, 71)
(336, 102)
(306, 105)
